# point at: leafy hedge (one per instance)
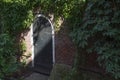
(60, 8)
(99, 31)
(8, 62)
(15, 16)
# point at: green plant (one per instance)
(8, 62)
(15, 15)
(99, 32)
(60, 8)
(23, 46)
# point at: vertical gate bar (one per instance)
(32, 44)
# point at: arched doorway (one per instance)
(43, 45)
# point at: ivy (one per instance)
(8, 62)
(15, 16)
(101, 24)
(96, 20)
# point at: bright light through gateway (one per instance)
(44, 36)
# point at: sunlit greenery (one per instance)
(15, 16)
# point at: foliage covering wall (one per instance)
(99, 31)
(94, 24)
(15, 16)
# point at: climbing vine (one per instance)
(15, 16)
(94, 26)
(99, 32)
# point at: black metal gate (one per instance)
(43, 45)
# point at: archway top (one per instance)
(41, 15)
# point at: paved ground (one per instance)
(36, 76)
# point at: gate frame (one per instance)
(53, 38)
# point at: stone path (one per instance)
(37, 76)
